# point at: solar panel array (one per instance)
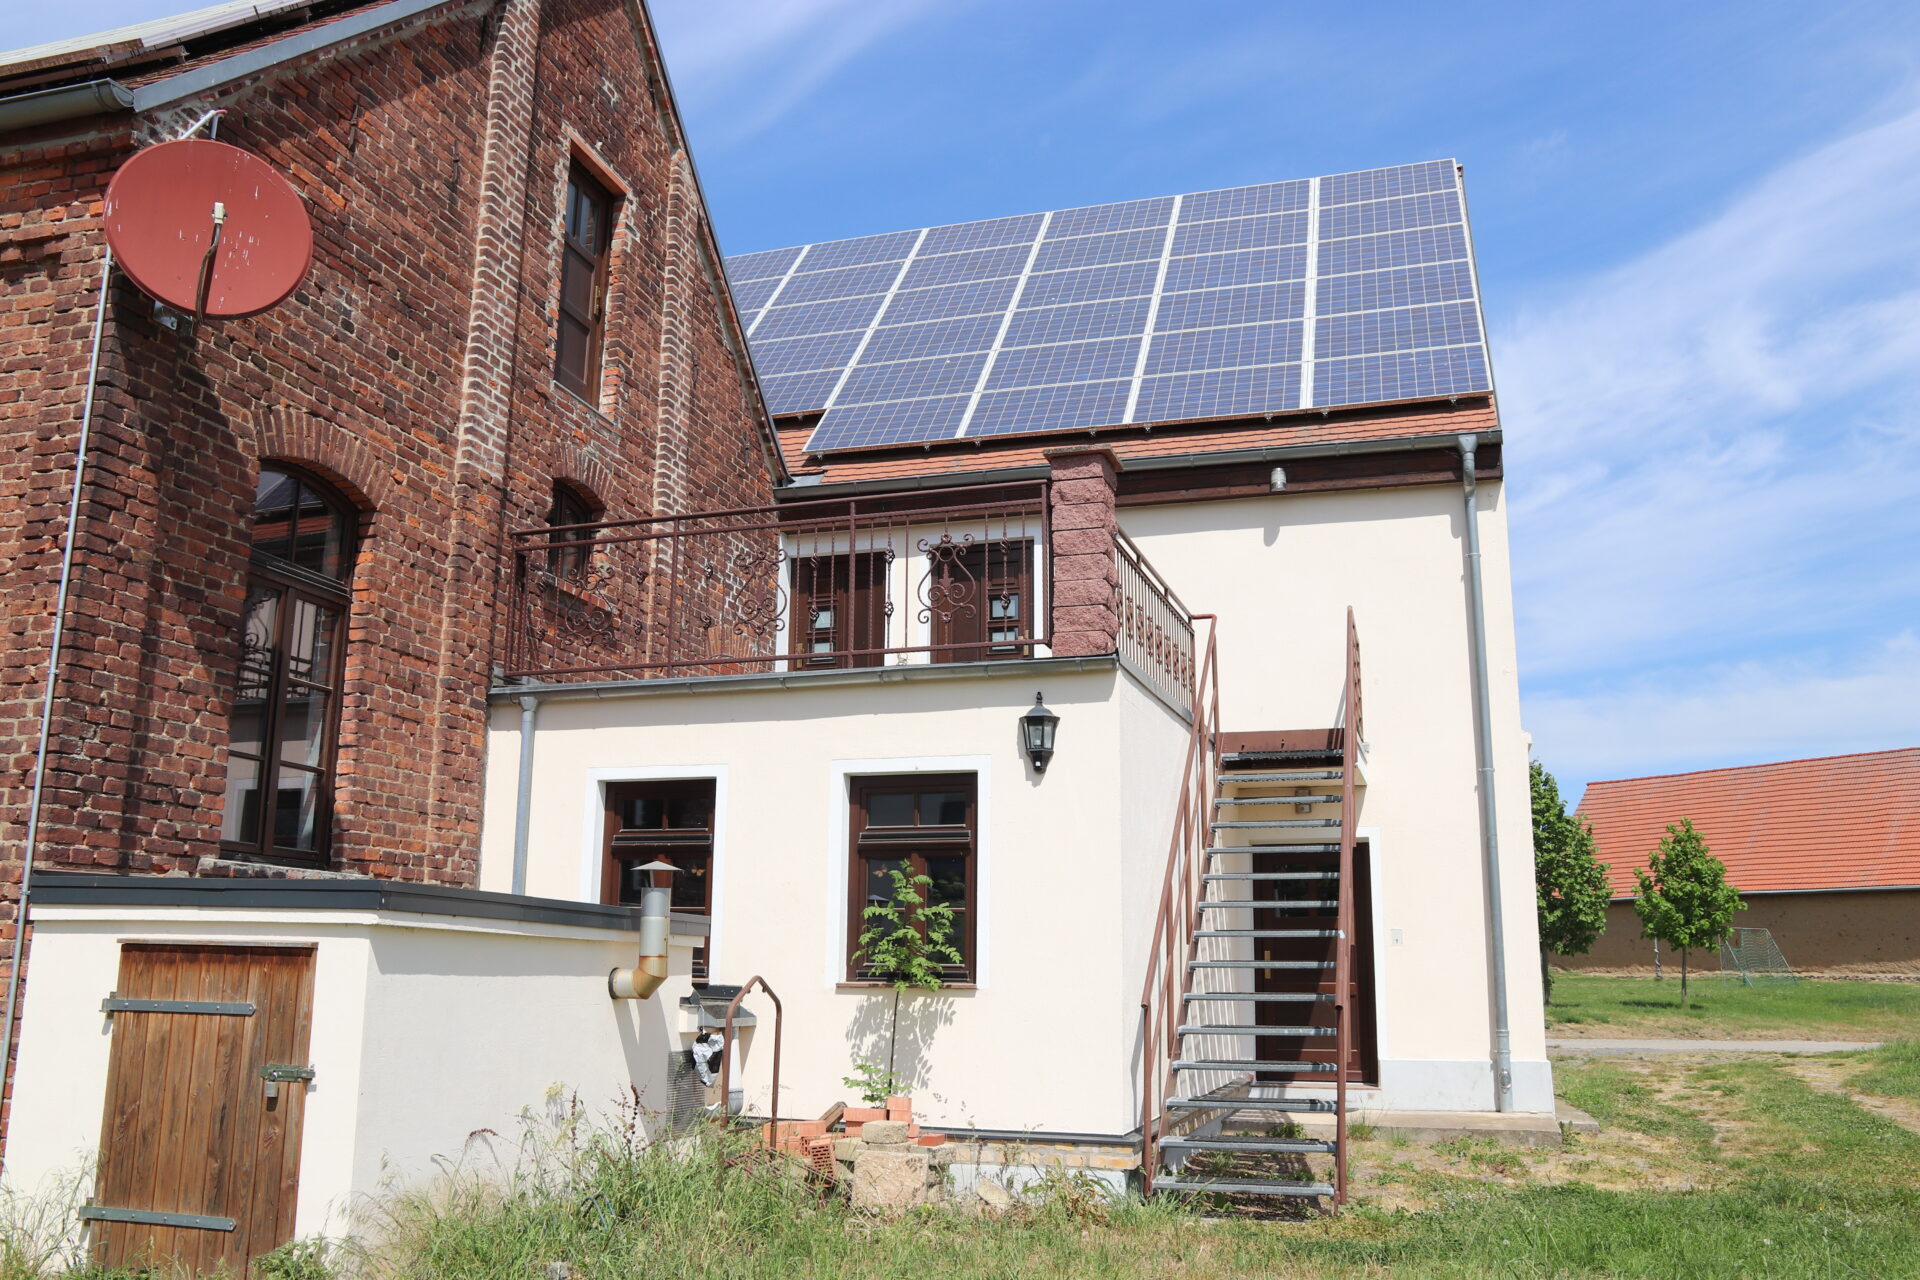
(1353, 289)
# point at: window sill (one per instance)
(888, 986)
(580, 399)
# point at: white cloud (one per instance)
(1743, 713)
(741, 65)
(1716, 447)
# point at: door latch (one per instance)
(278, 1073)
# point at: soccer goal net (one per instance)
(1755, 957)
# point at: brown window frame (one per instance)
(856, 587)
(913, 845)
(680, 846)
(968, 584)
(571, 507)
(584, 266)
(292, 585)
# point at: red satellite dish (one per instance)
(208, 228)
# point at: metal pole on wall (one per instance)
(31, 842)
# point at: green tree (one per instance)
(904, 941)
(1569, 882)
(1683, 896)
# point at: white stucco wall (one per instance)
(425, 1030)
(1045, 1039)
(1281, 572)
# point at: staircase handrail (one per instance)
(1174, 926)
(1343, 945)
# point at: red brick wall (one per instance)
(412, 368)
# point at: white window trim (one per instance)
(839, 847)
(593, 827)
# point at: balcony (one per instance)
(977, 574)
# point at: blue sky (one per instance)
(1698, 228)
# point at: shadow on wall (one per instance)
(874, 1028)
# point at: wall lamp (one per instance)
(1036, 732)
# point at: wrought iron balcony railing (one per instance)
(947, 575)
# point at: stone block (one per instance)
(884, 1133)
(848, 1149)
(890, 1178)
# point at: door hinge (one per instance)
(126, 1004)
(152, 1218)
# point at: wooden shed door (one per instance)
(198, 1164)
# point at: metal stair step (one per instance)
(1251, 1064)
(1329, 758)
(1317, 1106)
(1262, 997)
(1244, 1186)
(1247, 823)
(1260, 964)
(1227, 801)
(1266, 904)
(1295, 1033)
(1281, 848)
(1322, 1145)
(1291, 775)
(1271, 875)
(1268, 933)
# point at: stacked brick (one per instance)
(412, 369)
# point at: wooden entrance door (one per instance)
(198, 1163)
(1364, 1060)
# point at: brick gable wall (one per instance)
(412, 368)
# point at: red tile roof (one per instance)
(1838, 822)
(1440, 419)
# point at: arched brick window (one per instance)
(571, 509)
(285, 722)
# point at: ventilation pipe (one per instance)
(650, 970)
(1489, 831)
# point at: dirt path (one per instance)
(1834, 1075)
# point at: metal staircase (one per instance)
(1251, 979)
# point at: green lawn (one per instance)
(1721, 1008)
(1708, 1169)
(1893, 1070)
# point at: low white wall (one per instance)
(426, 1030)
(1046, 1038)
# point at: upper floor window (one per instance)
(983, 599)
(570, 507)
(586, 247)
(285, 722)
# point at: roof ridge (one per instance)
(1739, 768)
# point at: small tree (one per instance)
(903, 941)
(1569, 882)
(1683, 896)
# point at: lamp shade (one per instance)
(1037, 729)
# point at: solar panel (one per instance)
(1351, 289)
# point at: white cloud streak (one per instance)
(1716, 447)
(742, 65)
(1743, 713)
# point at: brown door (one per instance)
(982, 597)
(841, 610)
(1364, 1060)
(199, 1152)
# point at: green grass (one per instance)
(1795, 1184)
(1724, 1008)
(1894, 1070)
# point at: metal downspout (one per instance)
(1489, 829)
(32, 840)
(523, 793)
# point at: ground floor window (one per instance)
(667, 821)
(924, 825)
